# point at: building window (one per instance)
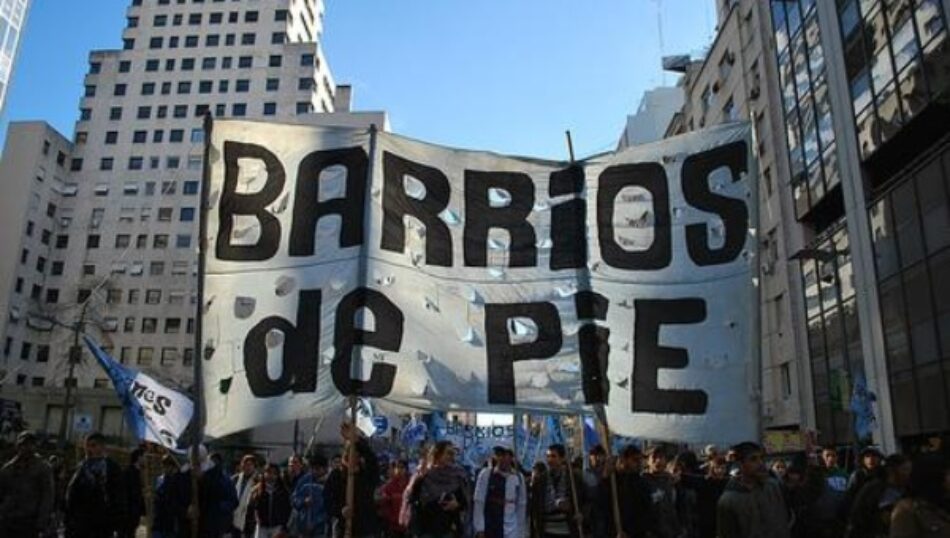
(239, 109)
(106, 163)
(307, 60)
(183, 241)
(155, 43)
(190, 187)
(112, 137)
(208, 64)
(119, 90)
(172, 325)
(140, 137)
(144, 112)
(273, 84)
(270, 109)
(242, 85)
(145, 355)
(125, 66)
(305, 84)
(248, 39)
(245, 62)
(275, 60)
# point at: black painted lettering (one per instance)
(301, 345)
(480, 217)
(733, 212)
(503, 354)
(593, 346)
(651, 177)
(386, 336)
(568, 220)
(308, 210)
(650, 357)
(255, 204)
(397, 205)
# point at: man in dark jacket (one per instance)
(871, 511)
(26, 491)
(135, 500)
(216, 498)
(366, 466)
(95, 497)
(666, 520)
(753, 505)
(636, 516)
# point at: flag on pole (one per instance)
(154, 412)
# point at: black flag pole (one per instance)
(356, 365)
(198, 416)
(600, 414)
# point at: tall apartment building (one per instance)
(105, 233)
(12, 19)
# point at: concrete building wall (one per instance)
(656, 111)
(735, 82)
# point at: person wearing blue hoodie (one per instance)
(309, 519)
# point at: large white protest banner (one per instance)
(344, 261)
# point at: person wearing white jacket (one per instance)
(244, 482)
(501, 499)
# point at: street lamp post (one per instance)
(75, 352)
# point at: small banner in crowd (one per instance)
(345, 261)
(154, 412)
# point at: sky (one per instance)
(508, 76)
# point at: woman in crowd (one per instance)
(270, 504)
(440, 496)
(391, 497)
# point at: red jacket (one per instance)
(391, 502)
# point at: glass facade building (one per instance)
(808, 119)
(12, 19)
(896, 112)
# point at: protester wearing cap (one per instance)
(26, 491)
(869, 468)
(501, 499)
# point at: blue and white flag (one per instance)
(862, 406)
(154, 412)
(413, 432)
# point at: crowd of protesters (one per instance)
(649, 493)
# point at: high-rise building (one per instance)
(864, 98)
(849, 105)
(12, 19)
(733, 81)
(105, 225)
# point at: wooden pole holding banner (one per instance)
(604, 431)
(576, 507)
(601, 415)
(197, 420)
(356, 366)
(351, 456)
